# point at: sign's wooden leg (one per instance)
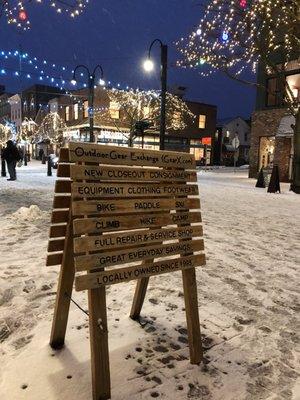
(64, 292)
(139, 297)
(99, 344)
(192, 315)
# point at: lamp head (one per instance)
(148, 65)
(101, 82)
(73, 81)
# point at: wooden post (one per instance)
(99, 344)
(192, 315)
(191, 312)
(64, 291)
(139, 296)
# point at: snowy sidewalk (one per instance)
(248, 302)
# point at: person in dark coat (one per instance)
(11, 155)
(41, 153)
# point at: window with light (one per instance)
(76, 111)
(202, 121)
(67, 113)
(114, 110)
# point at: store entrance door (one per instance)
(266, 152)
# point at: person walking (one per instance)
(11, 155)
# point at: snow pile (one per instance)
(29, 214)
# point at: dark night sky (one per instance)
(117, 34)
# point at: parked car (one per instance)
(53, 160)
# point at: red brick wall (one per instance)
(282, 157)
(263, 123)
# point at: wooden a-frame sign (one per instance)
(116, 205)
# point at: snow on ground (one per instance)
(248, 302)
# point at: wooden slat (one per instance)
(59, 216)
(111, 277)
(61, 201)
(56, 245)
(116, 190)
(92, 207)
(54, 259)
(112, 155)
(62, 186)
(58, 231)
(108, 258)
(64, 154)
(118, 223)
(134, 238)
(63, 171)
(129, 174)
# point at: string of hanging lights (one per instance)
(16, 11)
(43, 71)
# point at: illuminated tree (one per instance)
(136, 106)
(237, 35)
(5, 134)
(51, 128)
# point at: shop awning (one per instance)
(285, 127)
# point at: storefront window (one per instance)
(266, 151)
(76, 111)
(67, 113)
(85, 109)
(198, 152)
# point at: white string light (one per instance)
(16, 11)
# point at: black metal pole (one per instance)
(164, 69)
(49, 169)
(91, 107)
(25, 157)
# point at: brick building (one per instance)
(271, 126)
(113, 127)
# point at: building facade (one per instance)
(272, 123)
(16, 112)
(35, 101)
(227, 130)
(112, 125)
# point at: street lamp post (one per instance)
(91, 88)
(148, 66)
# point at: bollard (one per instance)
(261, 179)
(43, 159)
(25, 159)
(49, 169)
(274, 185)
(3, 167)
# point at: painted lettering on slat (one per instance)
(131, 190)
(134, 238)
(96, 173)
(92, 207)
(115, 223)
(90, 152)
(109, 258)
(111, 277)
